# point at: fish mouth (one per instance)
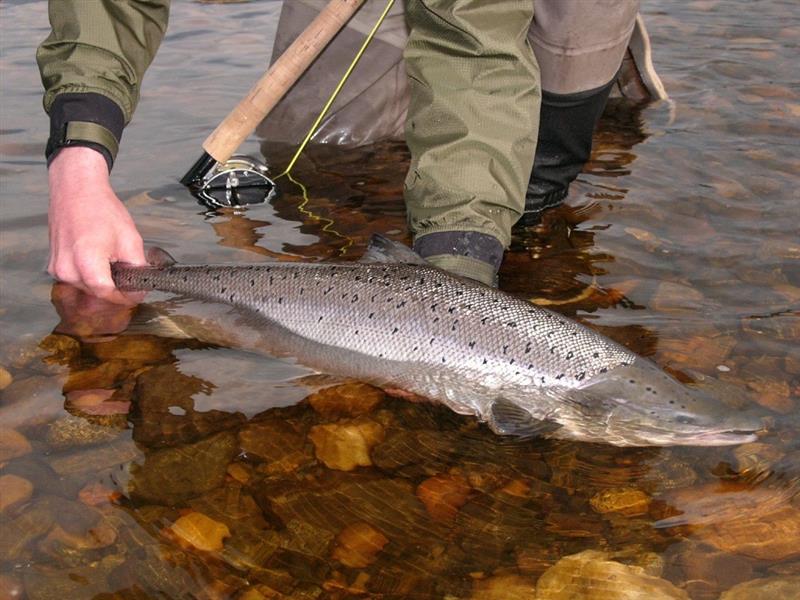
(728, 437)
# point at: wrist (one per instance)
(76, 171)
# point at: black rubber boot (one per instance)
(566, 125)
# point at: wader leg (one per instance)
(580, 45)
(471, 128)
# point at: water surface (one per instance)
(680, 240)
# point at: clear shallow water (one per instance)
(680, 240)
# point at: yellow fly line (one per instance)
(287, 172)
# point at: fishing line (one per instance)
(328, 228)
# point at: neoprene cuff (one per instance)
(85, 119)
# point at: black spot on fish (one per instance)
(280, 300)
(530, 367)
(356, 331)
(570, 354)
(232, 297)
(415, 348)
(358, 277)
(431, 342)
(146, 279)
(505, 349)
(380, 355)
(216, 277)
(433, 307)
(355, 298)
(604, 370)
(483, 320)
(542, 380)
(302, 290)
(271, 279)
(395, 330)
(553, 350)
(528, 348)
(485, 361)
(451, 310)
(222, 291)
(454, 325)
(422, 281)
(550, 333)
(185, 278)
(436, 320)
(252, 283)
(511, 362)
(471, 344)
(560, 376)
(631, 381)
(511, 324)
(401, 305)
(319, 320)
(372, 314)
(580, 376)
(443, 359)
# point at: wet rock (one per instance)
(627, 501)
(63, 349)
(20, 532)
(96, 459)
(232, 505)
(11, 587)
(164, 414)
(106, 375)
(772, 393)
(277, 443)
(31, 401)
(755, 460)
(443, 495)
(14, 490)
(701, 352)
(5, 378)
(358, 544)
(75, 432)
(346, 445)
(97, 495)
(676, 297)
(239, 472)
(347, 400)
(764, 534)
(591, 575)
(200, 531)
(142, 349)
(705, 571)
(77, 582)
(769, 588)
(432, 449)
(12, 444)
(96, 403)
(504, 587)
(176, 474)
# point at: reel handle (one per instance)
(281, 76)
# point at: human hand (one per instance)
(89, 226)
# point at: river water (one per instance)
(137, 466)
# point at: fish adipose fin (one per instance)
(509, 419)
(158, 257)
(383, 250)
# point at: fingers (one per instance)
(85, 315)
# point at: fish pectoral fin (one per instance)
(509, 419)
(383, 250)
(158, 257)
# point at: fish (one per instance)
(397, 322)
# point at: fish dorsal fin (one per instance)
(158, 257)
(509, 419)
(383, 250)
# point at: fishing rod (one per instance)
(218, 178)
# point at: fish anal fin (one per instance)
(509, 419)
(148, 321)
(383, 250)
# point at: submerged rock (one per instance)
(626, 501)
(358, 544)
(5, 378)
(346, 445)
(770, 588)
(175, 474)
(347, 400)
(590, 575)
(504, 587)
(200, 531)
(443, 495)
(277, 443)
(70, 431)
(12, 444)
(14, 490)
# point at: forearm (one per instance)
(92, 64)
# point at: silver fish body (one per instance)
(521, 368)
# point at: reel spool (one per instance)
(239, 181)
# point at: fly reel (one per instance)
(239, 181)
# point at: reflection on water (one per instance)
(137, 464)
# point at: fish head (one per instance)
(638, 404)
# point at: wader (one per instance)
(499, 100)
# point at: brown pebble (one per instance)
(346, 445)
(357, 545)
(14, 490)
(443, 495)
(5, 378)
(200, 531)
(12, 444)
(346, 400)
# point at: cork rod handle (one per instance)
(274, 84)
